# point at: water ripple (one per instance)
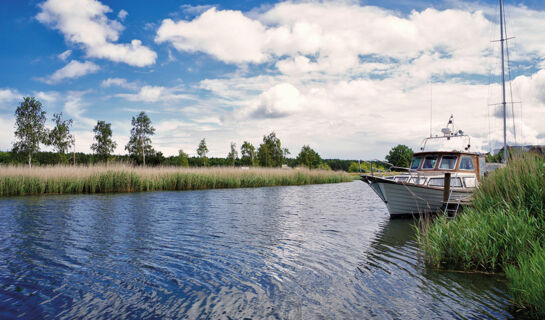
(310, 252)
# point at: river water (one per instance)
(302, 252)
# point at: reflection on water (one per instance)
(323, 251)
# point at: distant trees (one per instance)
(182, 159)
(30, 130)
(103, 146)
(60, 137)
(202, 150)
(140, 141)
(247, 154)
(400, 156)
(270, 152)
(309, 158)
(233, 155)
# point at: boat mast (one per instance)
(502, 39)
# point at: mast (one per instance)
(502, 39)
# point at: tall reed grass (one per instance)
(503, 231)
(15, 180)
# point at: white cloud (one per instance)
(122, 14)
(119, 82)
(85, 22)
(279, 101)
(155, 94)
(74, 69)
(63, 56)
(8, 95)
(227, 35)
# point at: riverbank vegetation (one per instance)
(504, 231)
(19, 180)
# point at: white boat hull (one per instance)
(409, 199)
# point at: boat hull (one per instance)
(409, 199)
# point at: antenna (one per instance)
(431, 107)
(502, 39)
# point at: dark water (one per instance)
(311, 252)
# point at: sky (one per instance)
(351, 79)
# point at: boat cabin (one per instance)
(435, 162)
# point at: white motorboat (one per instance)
(422, 188)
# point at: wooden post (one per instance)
(446, 190)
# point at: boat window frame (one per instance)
(452, 179)
(474, 182)
(419, 164)
(436, 161)
(448, 155)
(472, 163)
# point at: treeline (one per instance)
(31, 133)
(53, 158)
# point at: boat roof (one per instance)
(454, 152)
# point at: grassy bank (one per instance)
(503, 232)
(101, 179)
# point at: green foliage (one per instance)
(140, 141)
(202, 150)
(309, 158)
(247, 153)
(270, 152)
(504, 230)
(59, 137)
(400, 156)
(182, 159)
(103, 145)
(527, 280)
(233, 155)
(30, 130)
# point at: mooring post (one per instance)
(446, 190)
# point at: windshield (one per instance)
(448, 162)
(466, 163)
(416, 162)
(429, 162)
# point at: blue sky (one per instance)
(352, 79)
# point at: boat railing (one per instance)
(390, 166)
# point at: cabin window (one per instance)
(417, 180)
(416, 162)
(402, 179)
(470, 182)
(429, 162)
(440, 182)
(448, 162)
(466, 163)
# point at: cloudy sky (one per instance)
(349, 78)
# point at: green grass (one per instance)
(102, 179)
(504, 231)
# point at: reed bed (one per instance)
(19, 180)
(502, 232)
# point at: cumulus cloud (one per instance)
(155, 94)
(63, 56)
(119, 82)
(279, 101)
(227, 35)
(84, 22)
(122, 14)
(74, 69)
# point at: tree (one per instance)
(104, 145)
(247, 154)
(308, 158)
(140, 142)
(400, 156)
(202, 150)
(233, 154)
(270, 152)
(59, 137)
(30, 130)
(182, 159)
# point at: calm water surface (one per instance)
(310, 252)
